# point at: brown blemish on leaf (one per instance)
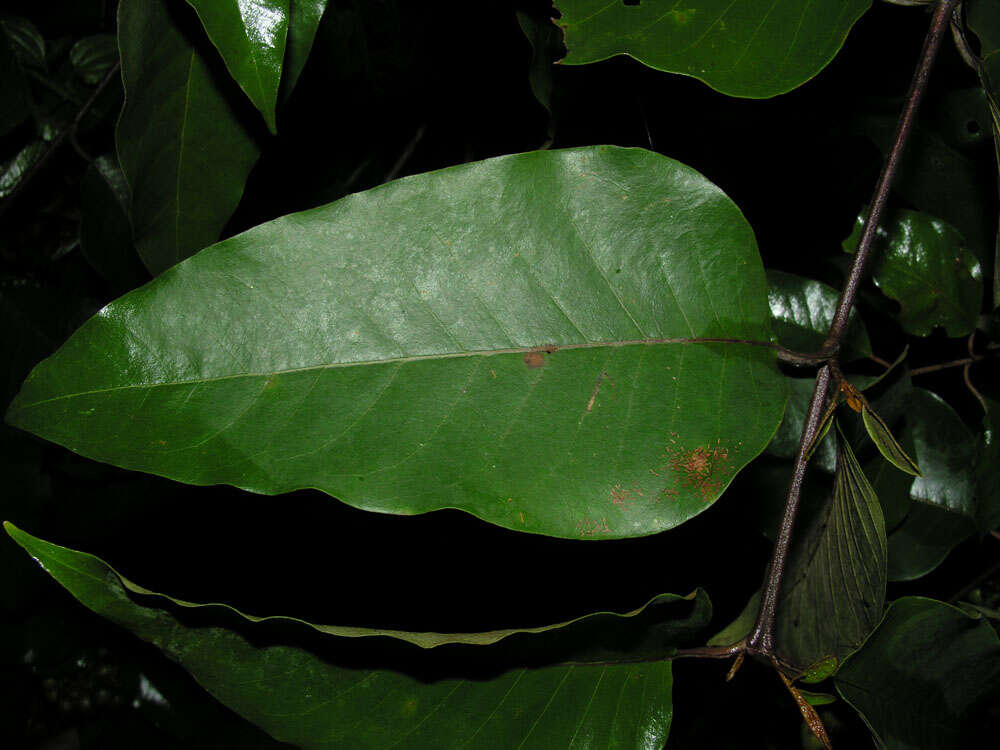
(592, 527)
(597, 387)
(701, 470)
(520, 514)
(536, 357)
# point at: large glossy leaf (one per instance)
(743, 48)
(925, 678)
(834, 590)
(518, 338)
(943, 508)
(599, 681)
(923, 264)
(802, 311)
(183, 148)
(250, 35)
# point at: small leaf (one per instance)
(834, 589)
(741, 626)
(250, 35)
(94, 56)
(926, 678)
(13, 170)
(887, 445)
(541, 368)
(923, 263)
(26, 40)
(363, 688)
(184, 150)
(749, 49)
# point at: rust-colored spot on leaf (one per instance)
(702, 470)
(534, 360)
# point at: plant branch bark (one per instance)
(761, 637)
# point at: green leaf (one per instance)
(14, 169)
(785, 443)
(93, 56)
(926, 678)
(923, 264)
(802, 311)
(887, 445)
(183, 148)
(26, 41)
(546, 48)
(303, 22)
(741, 626)
(250, 36)
(518, 338)
(943, 510)
(105, 235)
(327, 696)
(14, 91)
(739, 47)
(988, 470)
(940, 178)
(834, 589)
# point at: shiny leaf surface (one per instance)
(250, 35)
(923, 264)
(988, 469)
(183, 148)
(14, 169)
(802, 311)
(943, 508)
(516, 338)
(14, 90)
(785, 443)
(26, 41)
(739, 47)
(599, 696)
(303, 23)
(834, 590)
(925, 678)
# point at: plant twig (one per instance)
(761, 638)
(69, 130)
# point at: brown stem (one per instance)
(761, 638)
(69, 130)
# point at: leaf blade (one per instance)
(313, 701)
(443, 375)
(759, 51)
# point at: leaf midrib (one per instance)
(398, 360)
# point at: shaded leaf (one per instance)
(14, 91)
(94, 56)
(802, 311)
(923, 264)
(925, 678)
(182, 146)
(328, 696)
(739, 628)
(785, 443)
(943, 506)
(546, 48)
(739, 47)
(834, 589)
(887, 445)
(250, 35)
(988, 470)
(14, 169)
(516, 338)
(105, 235)
(26, 41)
(303, 22)
(938, 177)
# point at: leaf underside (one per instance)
(511, 337)
(835, 587)
(507, 695)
